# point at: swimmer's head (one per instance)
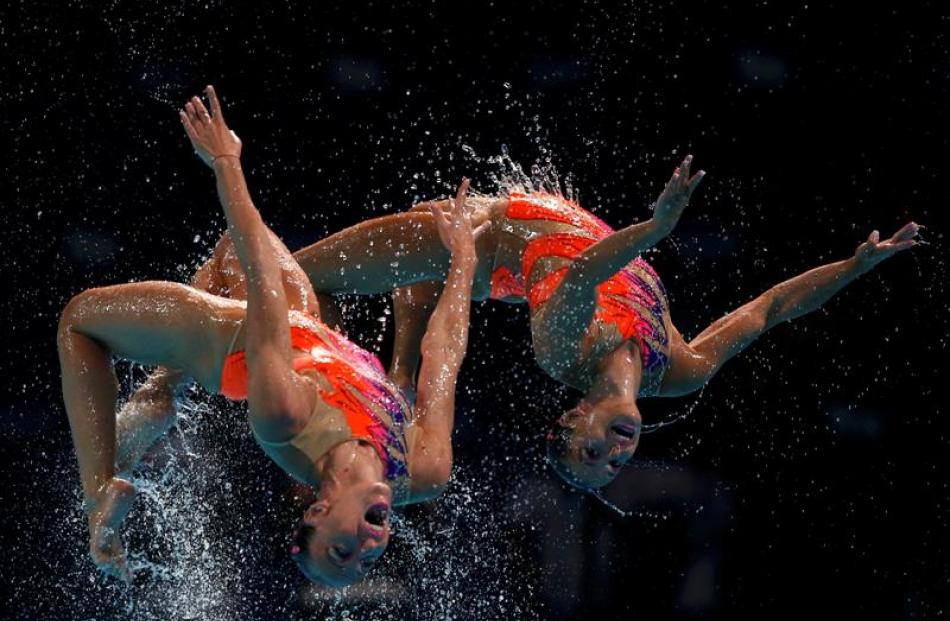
(589, 444)
(339, 539)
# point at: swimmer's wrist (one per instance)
(855, 267)
(466, 259)
(217, 160)
(658, 229)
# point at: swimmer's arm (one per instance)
(443, 349)
(608, 256)
(568, 312)
(790, 299)
(412, 307)
(807, 292)
(278, 398)
(559, 328)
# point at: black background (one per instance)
(811, 475)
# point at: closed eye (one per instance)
(589, 454)
(338, 555)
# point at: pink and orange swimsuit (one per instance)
(363, 403)
(632, 304)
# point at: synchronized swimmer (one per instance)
(318, 405)
(324, 409)
(600, 319)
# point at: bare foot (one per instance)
(105, 521)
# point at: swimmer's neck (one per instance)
(618, 376)
(348, 464)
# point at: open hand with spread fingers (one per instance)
(675, 196)
(208, 132)
(873, 251)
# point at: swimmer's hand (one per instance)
(873, 251)
(208, 133)
(455, 229)
(106, 513)
(672, 201)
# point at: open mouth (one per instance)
(377, 514)
(624, 430)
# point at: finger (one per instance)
(481, 229)
(215, 104)
(908, 231)
(874, 237)
(189, 127)
(694, 182)
(459, 204)
(441, 220)
(896, 247)
(460, 210)
(442, 225)
(192, 113)
(203, 115)
(684, 167)
(674, 180)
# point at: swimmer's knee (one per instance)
(73, 313)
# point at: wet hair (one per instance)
(557, 445)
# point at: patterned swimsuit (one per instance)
(632, 304)
(363, 403)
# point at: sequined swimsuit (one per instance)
(363, 403)
(632, 304)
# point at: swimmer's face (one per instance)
(590, 445)
(340, 539)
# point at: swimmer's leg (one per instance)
(153, 323)
(146, 416)
(412, 307)
(694, 363)
(376, 256)
(414, 304)
(381, 254)
(151, 410)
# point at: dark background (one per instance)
(810, 477)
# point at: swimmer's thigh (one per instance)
(159, 323)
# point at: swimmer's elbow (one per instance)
(431, 480)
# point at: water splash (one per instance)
(447, 560)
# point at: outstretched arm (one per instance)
(568, 312)
(278, 400)
(694, 364)
(443, 348)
